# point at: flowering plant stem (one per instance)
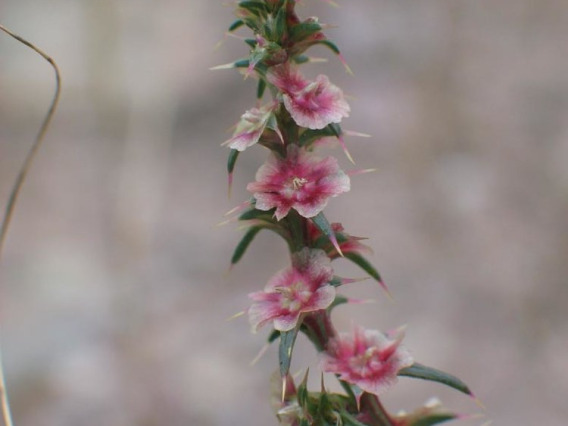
(290, 192)
(22, 174)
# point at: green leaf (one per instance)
(254, 7)
(275, 334)
(260, 88)
(339, 300)
(280, 24)
(309, 136)
(303, 391)
(243, 63)
(335, 281)
(324, 226)
(251, 42)
(419, 371)
(335, 129)
(324, 405)
(233, 155)
(434, 419)
(349, 420)
(301, 59)
(236, 25)
(330, 45)
(287, 340)
(257, 214)
(244, 243)
(364, 264)
(303, 30)
(257, 55)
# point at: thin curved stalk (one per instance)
(16, 188)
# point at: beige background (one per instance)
(114, 284)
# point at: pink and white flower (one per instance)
(287, 79)
(250, 127)
(312, 104)
(367, 358)
(303, 287)
(300, 181)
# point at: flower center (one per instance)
(298, 182)
(295, 296)
(362, 363)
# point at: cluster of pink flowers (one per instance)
(290, 191)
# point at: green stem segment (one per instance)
(374, 410)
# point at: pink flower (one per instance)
(303, 287)
(300, 181)
(287, 79)
(367, 358)
(311, 104)
(250, 127)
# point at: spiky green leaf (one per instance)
(303, 391)
(364, 264)
(280, 24)
(349, 420)
(309, 136)
(434, 419)
(260, 88)
(236, 25)
(419, 371)
(335, 129)
(304, 30)
(336, 281)
(287, 340)
(275, 334)
(244, 243)
(251, 42)
(257, 8)
(325, 227)
(257, 214)
(324, 406)
(301, 59)
(232, 160)
(330, 45)
(242, 63)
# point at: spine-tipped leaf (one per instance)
(304, 30)
(260, 88)
(287, 340)
(419, 371)
(257, 8)
(232, 160)
(244, 243)
(236, 25)
(325, 227)
(364, 264)
(434, 419)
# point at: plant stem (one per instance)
(372, 407)
(6, 414)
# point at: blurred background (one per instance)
(115, 286)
